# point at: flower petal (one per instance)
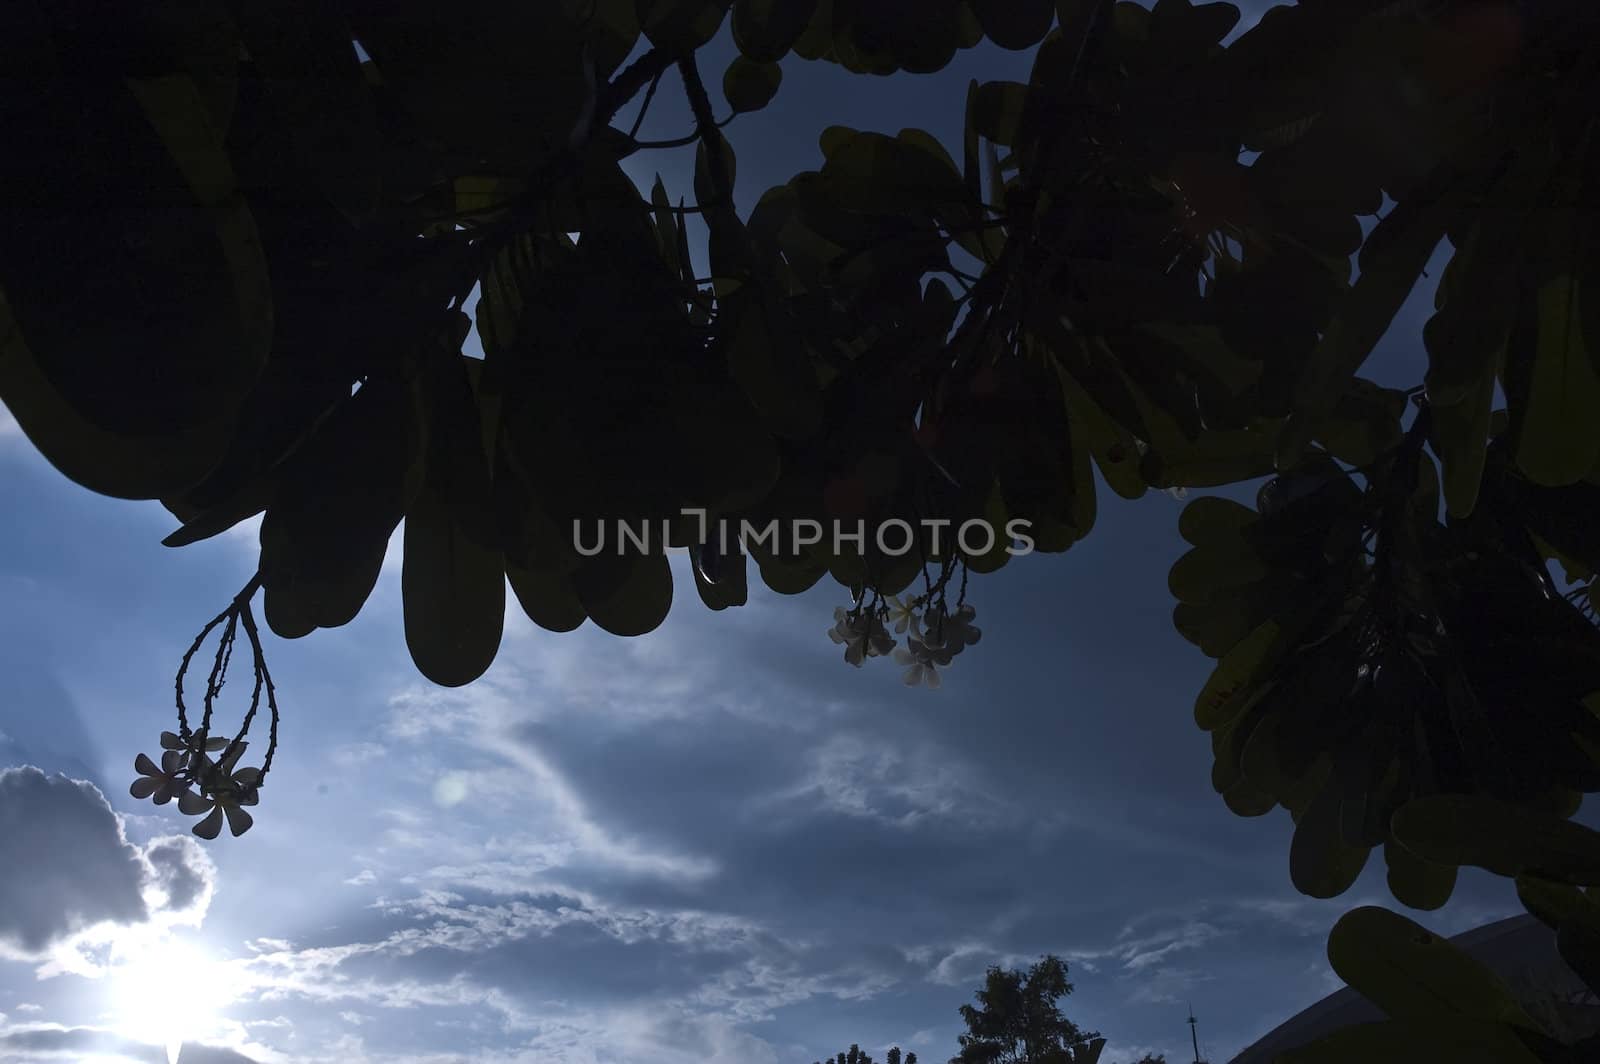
(239, 821)
(211, 826)
(231, 756)
(144, 787)
(933, 679)
(144, 766)
(192, 804)
(171, 761)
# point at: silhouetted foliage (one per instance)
(857, 1056)
(236, 256)
(1017, 1020)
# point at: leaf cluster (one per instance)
(236, 257)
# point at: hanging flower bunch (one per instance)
(935, 631)
(217, 789)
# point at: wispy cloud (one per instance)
(488, 722)
(441, 946)
(898, 785)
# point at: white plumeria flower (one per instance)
(198, 740)
(1179, 493)
(159, 783)
(903, 612)
(921, 663)
(951, 633)
(863, 636)
(227, 793)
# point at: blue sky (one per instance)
(717, 842)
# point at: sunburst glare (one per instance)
(168, 991)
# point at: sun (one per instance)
(169, 991)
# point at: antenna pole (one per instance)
(1193, 1037)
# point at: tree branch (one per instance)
(627, 84)
(705, 128)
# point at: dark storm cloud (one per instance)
(68, 865)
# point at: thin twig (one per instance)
(650, 94)
(705, 128)
(183, 668)
(684, 141)
(264, 678)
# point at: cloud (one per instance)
(602, 833)
(1166, 985)
(898, 786)
(552, 978)
(78, 869)
(182, 873)
(964, 964)
(1150, 951)
(495, 722)
(27, 1044)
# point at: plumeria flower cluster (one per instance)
(943, 635)
(934, 634)
(862, 633)
(216, 789)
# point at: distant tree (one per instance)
(857, 1056)
(1017, 1020)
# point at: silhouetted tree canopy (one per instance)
(236, 260)
(855, 1055)
(1018, 1020)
